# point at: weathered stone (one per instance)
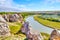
(30, 34)
(21, 18)
(16, 16)
(2, 19)
(4, 29)
(55, 35)
(6, 17)
(25, 28)
(13, 18)
(33, 35)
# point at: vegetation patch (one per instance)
(55, 25)
(14, 37)
(15, 27)
(45, 36)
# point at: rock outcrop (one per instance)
(13, 17)
(2, 19)
(6, 17)
(4, 28)
(25, 28)
(33, 35)
(55, 35)
(30, 34)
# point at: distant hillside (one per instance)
(50, 12)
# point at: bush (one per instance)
(15, 28)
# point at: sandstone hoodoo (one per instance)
(33, 35)
(2, 19)
(6, 17)
(25, 27)
(30, 34)
(4, 29)
(13, 17)
(55, 35)
(21, 19)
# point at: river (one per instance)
(37, 26)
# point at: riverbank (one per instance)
(36, 26)
(15, 28)
(45, 36)
(51, 24)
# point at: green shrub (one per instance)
(15, 28)
(45, 36)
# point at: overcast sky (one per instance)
(29, 5)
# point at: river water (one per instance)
(37, 26)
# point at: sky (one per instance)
(29, 5)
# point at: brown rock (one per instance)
(2, 19)
(33, 35)
(4, 29)
(55, 35)
(6, 17)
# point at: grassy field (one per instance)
(55, 25)
(14, 27)
(14, 37)
(45, 36)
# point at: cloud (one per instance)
(51, 4)
(11, 6)
(52, 1)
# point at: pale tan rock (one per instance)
(4, 30)
(55, 35)
(33, 35)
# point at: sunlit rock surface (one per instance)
(55, 35)
(4, 28)
(13, 17)
(33, 35)
(6, 17)
(30, 33)
(2, 19)
(25, 27)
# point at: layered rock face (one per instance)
(25, 27)
(13, 17)
(4, 28)
(55, 35)
(6, 17)
(33, 35)
(30, 34)
(2, 19)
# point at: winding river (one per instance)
(37, 26)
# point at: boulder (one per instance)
(2, 19)
(16, 16)
(6, 17)
(30, 34)
(13, 18)
(25, 27)
(55, 35)
(33, 35)
(4, 29)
